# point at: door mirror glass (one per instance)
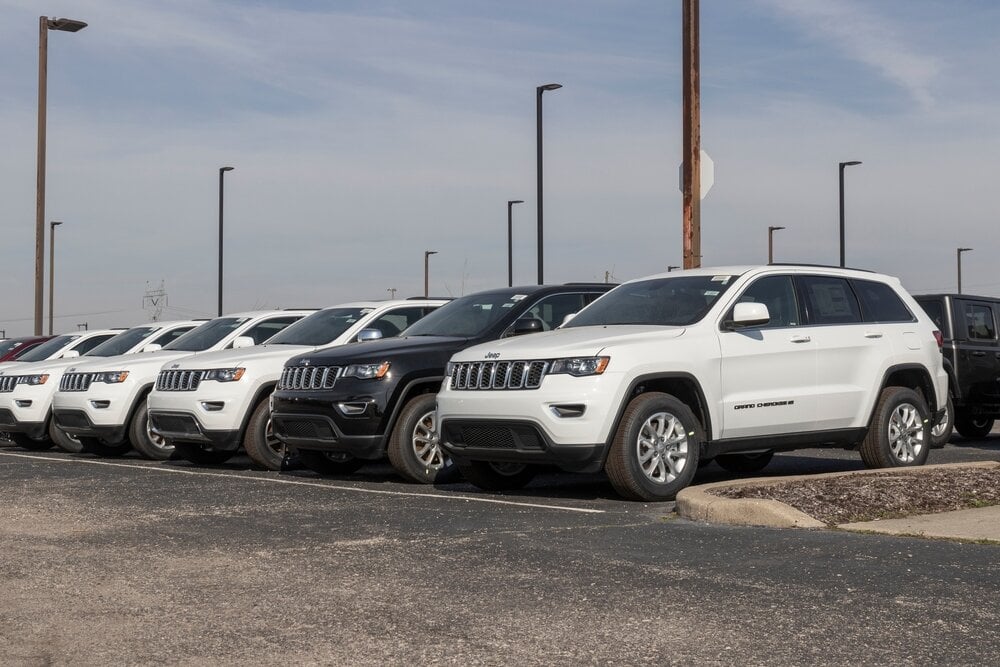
(369, 334)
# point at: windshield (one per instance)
(468, 316)
(320, 328)
(664, 301)
(8, 345)
(207, 335)
(48, 348)
(122, 343)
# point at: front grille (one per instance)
(184, 424)
(479, 436)
(8, 382)
(480, 375)
(299, 378)
(76, 381)
(179, 380)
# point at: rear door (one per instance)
(977, 355)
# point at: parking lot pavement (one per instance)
(133, 561)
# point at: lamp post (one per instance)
(958, 255)
(52, 269)
(510, 241)
(427, 254)
(222, 172)
(392, 292)
(538, 146)
(770, 244)
(44, 25)
(842, 165)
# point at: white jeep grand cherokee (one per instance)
(729, 363)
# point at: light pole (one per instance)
(392, 292)
(842, 165)
(44, 25)
(770, 244)
(52, 269)
(222, 172)
(958, 255)
(538, 145)
(427, 254)
(510, 241)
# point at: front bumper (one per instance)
(331, 422)
(185, 427)
(78, 423)
(10, 424)
(516, 441)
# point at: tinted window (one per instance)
(552, 310)
(395, 321)
(662, 301)
(268, 328)
(320, 328)
(122, 343)
(979, 322)
(86, 346)
(935, 310)
(208, 334)
(830, 300)
(468, 316)
(778, 294)
(48, 348)
(8, 345)
(880, 303)
(165, 339)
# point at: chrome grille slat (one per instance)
(179, 380)
(76, 381)
(304, 378)
(8, 382)
(487, 375)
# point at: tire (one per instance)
(941, 432)
(751, 462)
(899, 434)
(973, 428)
(414, 447)
(98, 447)
(195, 454)
(661, 431)
(490, 476)
(262, 447)
(150, 445)
(329, 463)
(24, 442)
(63, 440)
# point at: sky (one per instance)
(364, 133)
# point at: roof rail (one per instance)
(428, 298)
(821, 266)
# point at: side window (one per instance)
(264, 330)
(553, 309)
(829, 300)
(935, 311)
(778, 294)
(89, 344)
(979, 322)
(393, 322)
(880, 302)
(171, 335)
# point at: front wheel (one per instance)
(973, 428)
(262, 447)
(754, 462)
(24, 442)
(329, 463)
(414, 447)
(151, 445)
(656, 448)
(899, 434)
(63, 440)
(941, 432)
(496, 476)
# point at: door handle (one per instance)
(979, 354)
(800, 339)
(873, 334)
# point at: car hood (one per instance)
(378, 350)
(38, 367)
(148, 362)
(242, 356)
(571, 342)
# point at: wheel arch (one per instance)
(911, 376)
(416, 386)
(262, 393)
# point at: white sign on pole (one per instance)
(707, 174)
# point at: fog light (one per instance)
(566, 411)
(100, 404)
(22, 403)
(353, 408)
(212, 406)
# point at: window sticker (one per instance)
(712, 293)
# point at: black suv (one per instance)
(972, 359)
(342, 407)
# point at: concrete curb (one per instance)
(699, 504)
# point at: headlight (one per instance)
(33, 379)
(580, 366)
(224, 374)
(367, 371)
(111, 377)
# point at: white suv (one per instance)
(63, 346)
(208, 404)
(26, 390)
(668, 371)
(103, 403)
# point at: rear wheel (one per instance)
(195, 454)
(497, 476)
(150, 445)
(24, 442)
(99, 447)
(329, 463)
(749, 462)
(414, 447)
(899, 434)
(941, 432)
(63, 440)
(262, 447)
(973, 428)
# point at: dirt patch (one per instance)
(888, 495)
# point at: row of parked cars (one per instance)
(647, 380)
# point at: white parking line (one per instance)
(333, 487)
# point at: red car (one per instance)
(12, 348)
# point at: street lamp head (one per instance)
(53, 223)
(66, 25)
(430, 252)
(850, 164)
(964, 249)
(549, 86)
(514, 201)
(772, 228)
(226, 168)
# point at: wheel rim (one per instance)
(942, 425)
(156, 439)
(426, 443)
(271, 441)
(662, 448)
(906, 433)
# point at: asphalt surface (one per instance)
(129, 561)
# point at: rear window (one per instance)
(830, 300)
(935, 311)
(880, 303)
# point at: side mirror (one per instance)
(527, 325)
(243, 341)
(568, 317)
(749, 315)
(69, 354)
(369, 334)
(152, 347)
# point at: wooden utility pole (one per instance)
(692, 138)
